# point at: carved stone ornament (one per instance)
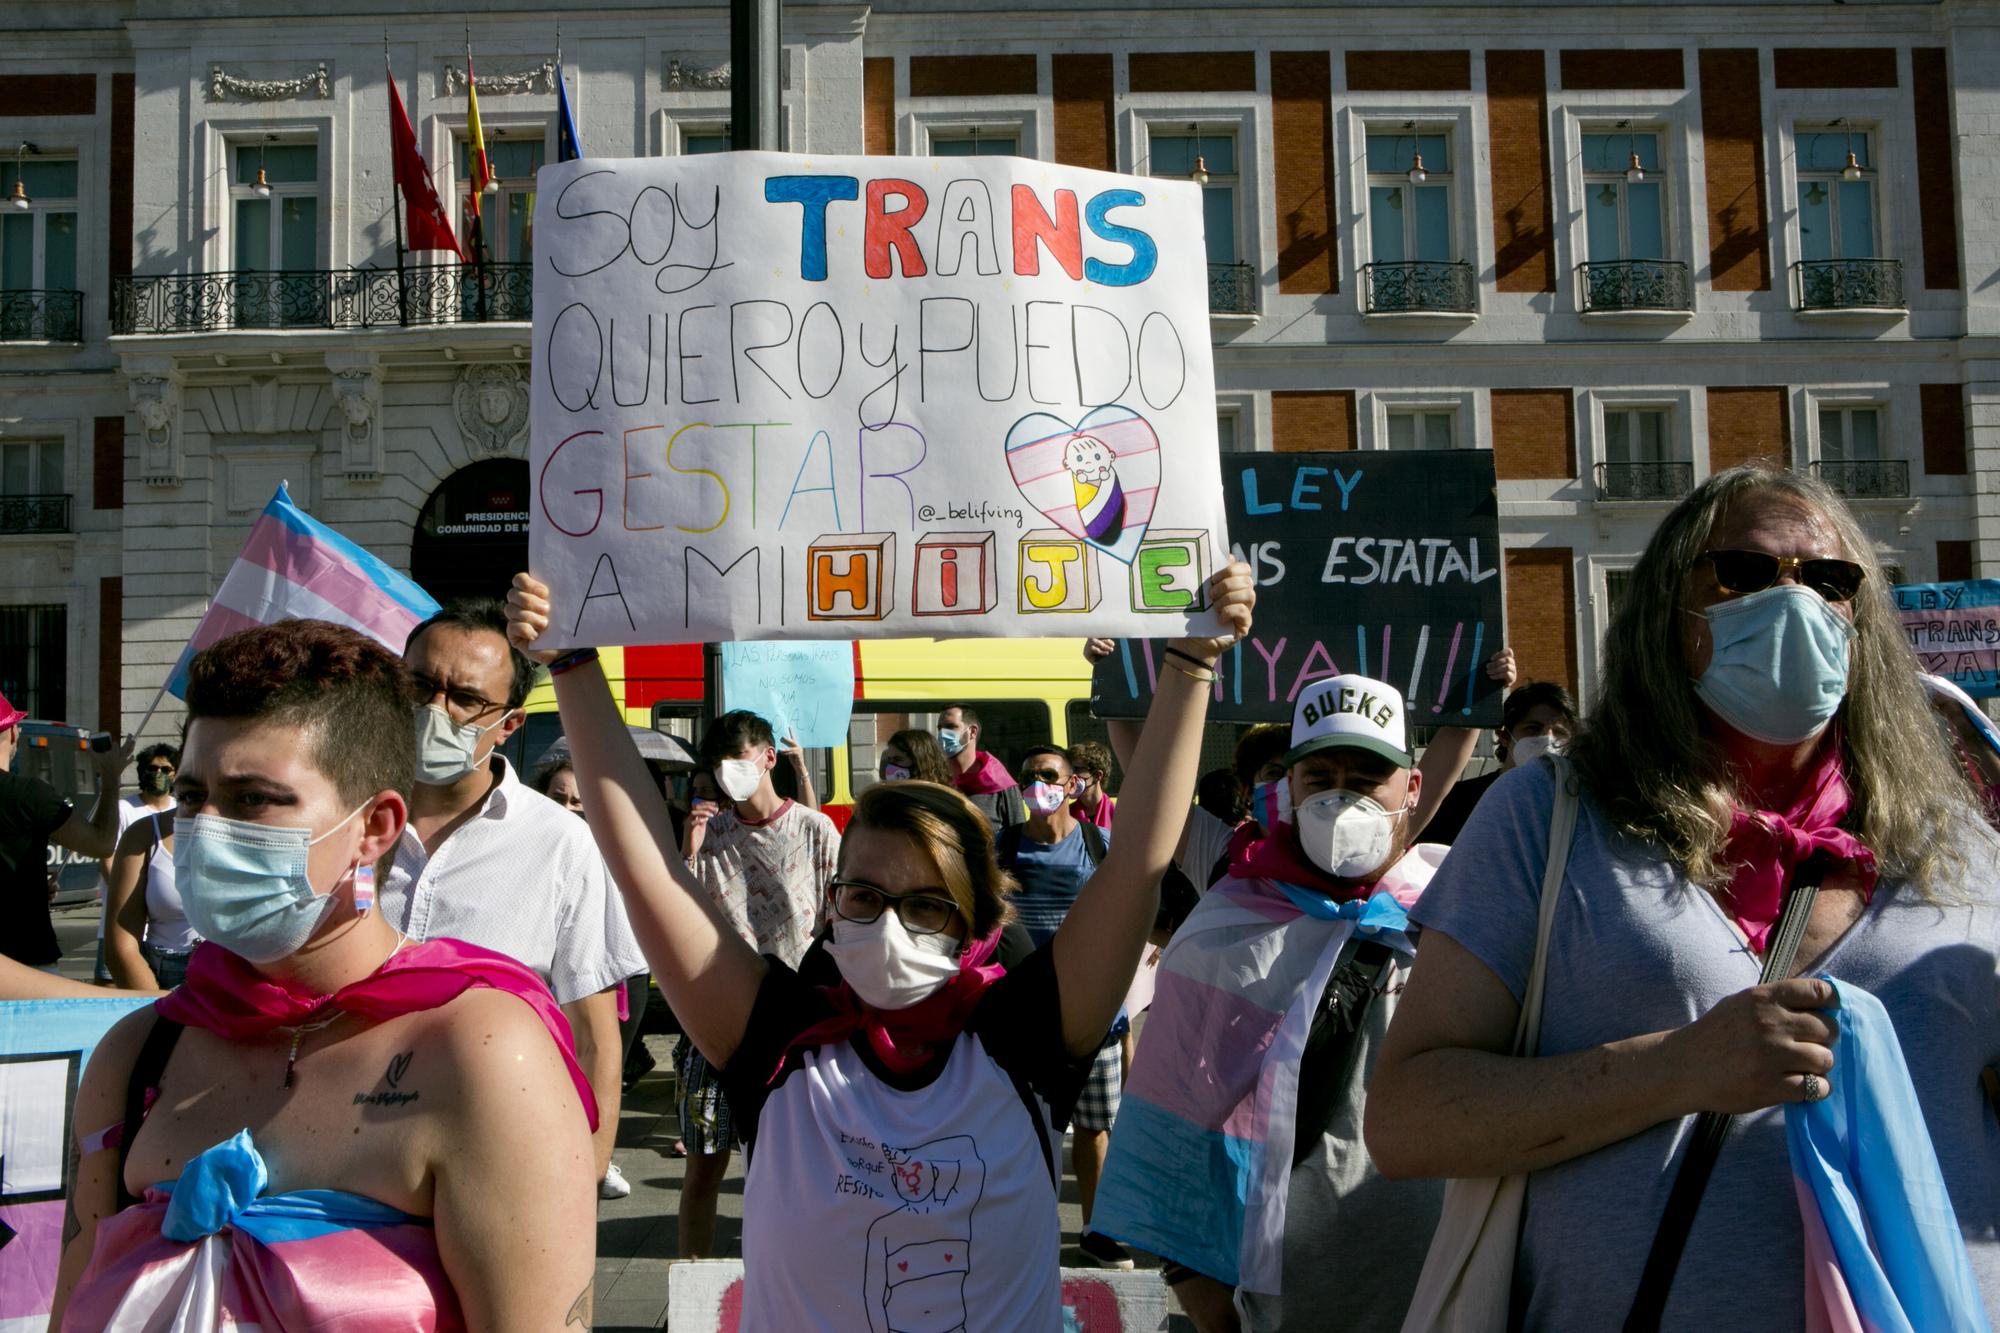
(357, 390)
(156, 401)
(682, 74)
(503, 81)
(314, 85)
(492, 406)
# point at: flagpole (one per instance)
(396, 211)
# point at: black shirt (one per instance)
(30, 810)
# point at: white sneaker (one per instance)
(614, 1185)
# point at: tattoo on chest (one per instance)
(392, 1093)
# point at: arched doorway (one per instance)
(473, 534)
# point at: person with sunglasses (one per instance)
(903, 1127)
(1758, 725)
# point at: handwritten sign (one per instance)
(804, 689)
(1386, 564)
(1954, 629)
(862, 397)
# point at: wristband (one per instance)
(569, 660)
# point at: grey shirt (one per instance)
(1636, 948)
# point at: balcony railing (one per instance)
(1232, 290)
(1867, 478)
(1419, 286)
(1850, 284)
(1644, 481)
(361, 298)
(41, 315)
(1635, 284)
(34, 513)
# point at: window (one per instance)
(34, 659)
(975, 142)
(1175, 154)
(1836, 199)
(507, 216)
(1426, 428)
(1409, 197)
(1850, 434)
(1624, 218)
(38, 251)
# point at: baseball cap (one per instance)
(1352, 713)
(9, 714)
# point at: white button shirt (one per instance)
(523, 878)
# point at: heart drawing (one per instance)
(1096, 479)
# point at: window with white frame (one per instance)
(975, 141)
(1837, 198)
(506, 213)
(38, 236)
(1413, 428)
(274, 194)
(31, 467)
(1409, 196)
(1624, 196)
(1180, 154)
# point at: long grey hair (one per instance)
(1645, 758)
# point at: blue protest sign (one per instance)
(806, 689)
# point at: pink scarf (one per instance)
(235, 1001)
(1768, 845)
(907, 1039)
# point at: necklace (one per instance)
(300, 1030)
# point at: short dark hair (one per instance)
(1263, 744)
(1090, 757)
(1532, 695)
(346, 694)
(1057, 751)
(731, 732)
(484, 613)
(159, 750)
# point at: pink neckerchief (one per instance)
(907, 1039)
(1768, 845)
(235, 1001)
(986, 776)
(1252, 855)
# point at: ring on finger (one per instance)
(1813, 1088)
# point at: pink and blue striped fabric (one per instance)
(297, 568)
(1884, 1253)
(1201, 1155)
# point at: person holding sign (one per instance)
(904, 1126)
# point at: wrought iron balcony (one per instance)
(1644, 481)
(1232, 289)
(359, 298)
(1635, 284)
(1419, 286)
(41, 315)
(1867, 478)
(34, 513)
(1850, 284)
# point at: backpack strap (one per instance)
(145, 1077)
(1093, 841)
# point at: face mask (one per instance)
(156, 784)
(953, 741)
(739, 778)
(1271, 803)
(1346, 835)
(1530, 748)
(1044, 798)
(895, 773)
(245, 885)
(888, 967)
(1777, 670)
(445, 748)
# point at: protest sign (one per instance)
(1386, 564)
(799, 397)
(801, 689)
(1955, 630)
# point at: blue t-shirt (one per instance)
(1050, 874)
(1636, 948)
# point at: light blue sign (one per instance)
(804, 689)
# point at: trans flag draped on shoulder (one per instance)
(297, 568)
(1201, 1157)
(1884, 1253)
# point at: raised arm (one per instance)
(125, 911)
(706, 971)
(1098, 945)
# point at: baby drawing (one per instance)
(1100, 501)
(919, 1255)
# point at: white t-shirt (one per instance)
(902, 1204)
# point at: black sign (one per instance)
(1384, 564)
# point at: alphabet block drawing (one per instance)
(1169, 569)
(956, 575)
(851, 576)
(1058, 573)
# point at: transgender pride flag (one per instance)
(296, 568)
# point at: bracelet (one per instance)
(1209, 679)
(1192, 660)
(572, 659)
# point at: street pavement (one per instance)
(635, 1235)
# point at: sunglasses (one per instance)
(1739, 573)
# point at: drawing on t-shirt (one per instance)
(920, 1255)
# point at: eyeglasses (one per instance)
(1739, 573)
(922, 912)
(464, 704)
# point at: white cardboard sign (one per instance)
(779, 396)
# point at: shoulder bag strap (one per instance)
(1562, 832)
(147, 1068)
(1712, 1127)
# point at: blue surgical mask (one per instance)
(446, 749)
(1777, 667)
(245, 885)
(952, 741)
